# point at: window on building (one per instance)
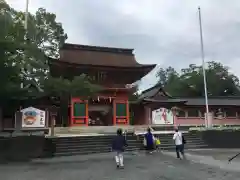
(238, 114)
(202, 113)
(193, 113)
(79, 109)
(181, 113)
(102, 76)
(121, 109)
(93, 78)
(230, 113)
(218, 113)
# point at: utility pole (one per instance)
(203, 68)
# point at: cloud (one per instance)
(161, 31)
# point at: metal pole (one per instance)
(25, 27)
(26, 15)
(203, 68)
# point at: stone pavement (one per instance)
(138, 166)
(214, 157)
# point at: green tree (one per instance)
(65, 88)
(27, 52)
(10, 45)
(220, 82)
(24, 57)
(43, 38)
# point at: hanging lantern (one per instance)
(98, 99)
(110, 99)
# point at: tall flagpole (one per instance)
(25, 27)
(26, 15)
(203, 68)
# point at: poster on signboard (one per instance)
(33, 118)
(162, 116)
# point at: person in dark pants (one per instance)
(118, 145)
(178, 138)
(149, 138)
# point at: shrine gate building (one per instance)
(112, 68)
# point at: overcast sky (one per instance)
(165, 32)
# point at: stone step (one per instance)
(94, 129)
(170, 139)
(99, 144)
(86, 149)
(92, 142)
(105, 150)
(128, 136)
(139, 146)
(90, 145)
(113, 129)
(89, 152)
(89, 138)
(186, 147)
(109, 140)
(71, 153)
(83, 137)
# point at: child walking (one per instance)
(157, 143)
(118, 146)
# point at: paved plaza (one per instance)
(138, 166)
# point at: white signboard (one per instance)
(33, 118)
(162, 116)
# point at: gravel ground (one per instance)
(138, 166)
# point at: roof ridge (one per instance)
(209, 97)
(71, 46)
(151, 88)
(52, 60)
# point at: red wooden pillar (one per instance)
(120, 112)
(79, 112)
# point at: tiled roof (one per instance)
(166, 100)
(156, 92)
(100, 56)
(158, 95)
(214, 101)
(68, 46)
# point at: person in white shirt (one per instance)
(178, 138)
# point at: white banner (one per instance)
(162, 116)
(33, 118)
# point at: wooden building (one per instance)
(116, 69)
(190, 111)
(112, 68)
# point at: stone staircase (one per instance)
(90, 144)
(194, 141)
(112, 129)
(67, 146)
(93, 129)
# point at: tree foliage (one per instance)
(64, 88)
(24, 56)
(189, 82)
(9, 48)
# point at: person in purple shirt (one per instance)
(149, 141)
